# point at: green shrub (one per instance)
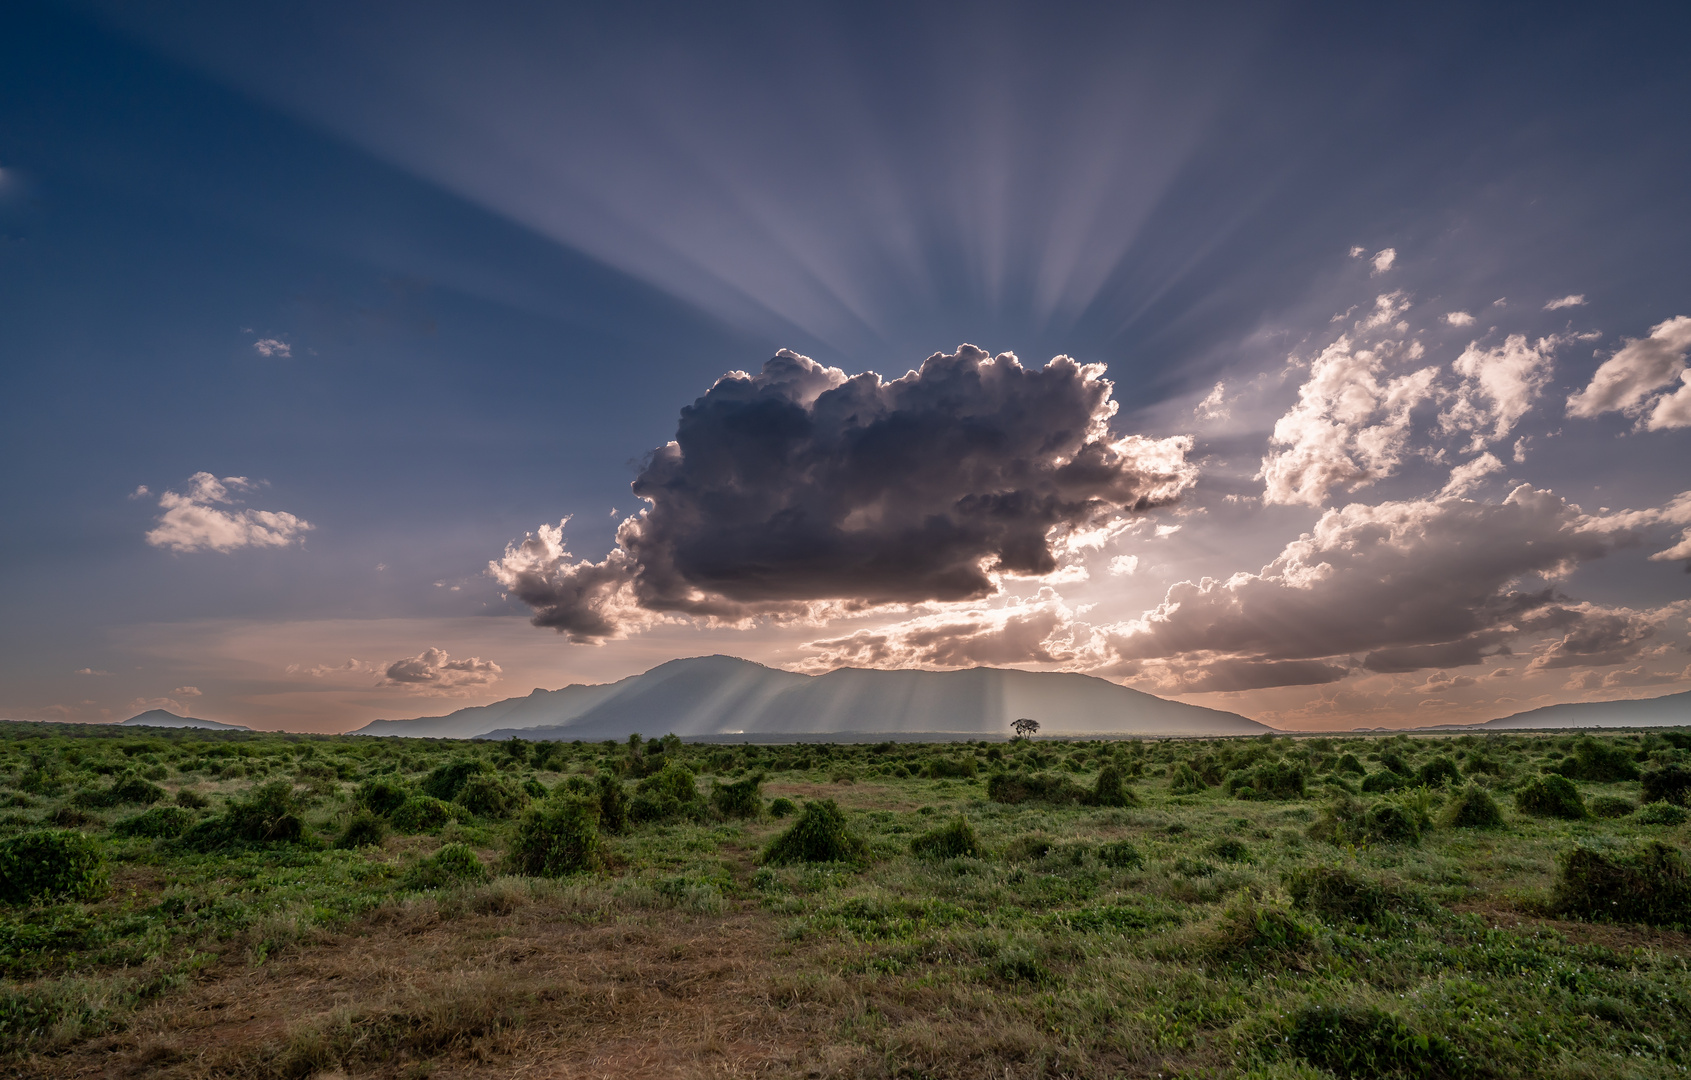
(533, 788)
(1550, 796)
(49, 865)
(781, 807)
(189, 799)
(1670, 783)
(451, 866)
(740, 799)
(950, 768)
(1249, 931)
(165, 822)
(423, 813)
(1611, 806)
(1650, 885)
(1339, 895)
(559, 837)
(1439, 772)
(1029, 848)
(132, 788)
(1348, 764)
(364, 829)
(1273, 779)
(445, 781)
(819, 835)
(1012, 788)
(613, 804)
(1228, 850)
(1184, 780)
(1365, 1041)
(1474, 808)
(270, 814)
(1600, 762)
(1110, 790)
(1385, 781)
(1345, 820)
(1662, 813)
(946, 842)
(489, 795)
(1121, 855)
(382, 795)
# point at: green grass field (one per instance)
(201, 904)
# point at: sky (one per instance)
(1320, 363)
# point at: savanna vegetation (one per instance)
(209, 904)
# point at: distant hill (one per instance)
(725, 697)
(1674, 710)
(161, 718)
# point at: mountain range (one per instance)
(729, 698)
(161, 718)
(1673, 710)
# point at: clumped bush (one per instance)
(1385, 781)
(1339, 895)
(1184, 780)
(558, 838)
(382, 795)
(1611, 806)
(741, 799)
(1439, 772)
(1029, 848)
(819, 835)
(1345, 820)
(1268, 780)
(613, 804)
(1228, 850)
(1600, 762)
(1650, 885)
(950, 768)
(1365, 1041)
(363, 829)
(445, 781)
(1110, 789)
(1121, 855)
(1347, 763)
(51, 865)
(946, 842)
(782, 806)
(1662, 813)
(1670, 783)
(270, 814)
(1550, 796)
(1474, 808)
(128, 788)
(1249, 931)
(189, 799)
(166, 822)
(1012, 788)
(489, 795)
(451, 866)
(423, 813)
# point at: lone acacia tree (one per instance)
(1025, 727)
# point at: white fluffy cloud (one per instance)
(272, 347)
(1627, 382)
(1571, 300)
(1383, 260)
(1466, 477)
(434, 670)
(1458, 318)
(204, 518)
(1351, 423)
(1498, 386)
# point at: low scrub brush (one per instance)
(1551, 796)
(1474, 808)
(159, 822)
(740, 799)
(561, 837)
(451, 866)
(1365, 1041)
(1651, 885)
(51, 865)
(819, 835)
(1340, 895)
(949, 841)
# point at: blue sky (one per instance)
(427, 277)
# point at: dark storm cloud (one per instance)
(799, 485)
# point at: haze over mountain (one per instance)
(1671, 710)
(715, 696)
(161, 718)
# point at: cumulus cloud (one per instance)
(1571, 300)
(1351, 423)
(1458, 318)
(170, 705)
(434, 670)
(1214, 406)
(1123, 565)
(1597, 639)
(1498, 386)
(272, 347)
(1430, 583)
(1628, 380)
(185, 691)
(799, 486)
(1466, 477)
(204, 518)
(1383, 260)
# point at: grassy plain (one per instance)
(197, 904)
